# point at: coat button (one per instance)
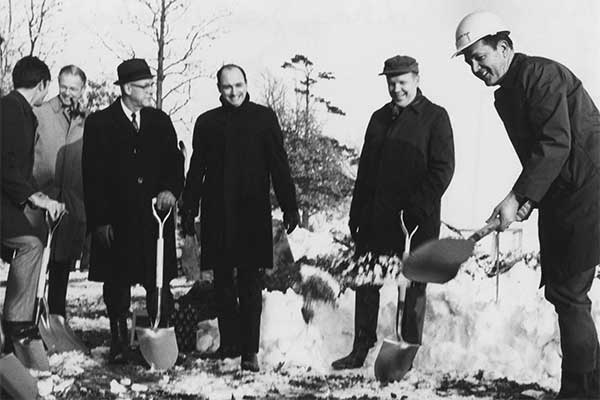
(140, 180)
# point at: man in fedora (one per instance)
(406, 164)
(130, 156)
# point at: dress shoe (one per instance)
(250, 362)
(223, 352)
(119, 346)
(355, 359)
(19, 330)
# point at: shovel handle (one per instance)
(160, 245)
(486, 230)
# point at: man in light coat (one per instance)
(57, 172)
(554, 127)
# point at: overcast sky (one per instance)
(352, 38)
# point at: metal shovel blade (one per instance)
(32, 354)
(158, 347)
(16, 380)
(58, 335)
(394, 360)
(437, 261)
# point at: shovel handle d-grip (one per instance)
(486, 230)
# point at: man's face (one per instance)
(140, 92)
(233, 87)
(487, 63)
(70, 88)
(403, 88)
(41, 92)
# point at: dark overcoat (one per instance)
(122, 171)
(18, 139)
(237, 152)
(57, 173)
(554, 127)
(406, 163)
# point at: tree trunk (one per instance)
(304, 219)
(160, 74)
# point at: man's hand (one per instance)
(165, 200)
(291, 219)
(105, 235)
(54, 208)
(506, 211)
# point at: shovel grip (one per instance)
(486, 230)
(160, 246)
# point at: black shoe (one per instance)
(19, 330)
(119, 346)
(222, 353)
(250, 362)
(355, 359)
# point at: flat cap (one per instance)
(399, 65)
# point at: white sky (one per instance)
(352, 38)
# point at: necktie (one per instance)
(134, 122)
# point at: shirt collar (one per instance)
(128, 113)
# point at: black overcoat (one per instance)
(554, 127)
(18, 139)
(237, 153)
(122, 172)
(405, 164)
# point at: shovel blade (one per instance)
(58, 335)
(394, 360)
(437, 261)
(32, 354)
(158, 347)
(16, 380)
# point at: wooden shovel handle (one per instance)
(486, 230)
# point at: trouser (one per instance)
(367, 309)
(117, 298)
(58, 281)
(239, 307)
(578, 337)
(23, 277)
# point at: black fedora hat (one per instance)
(133, 70)
(399, 65)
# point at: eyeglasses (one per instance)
(143, 87)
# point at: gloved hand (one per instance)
(291, 219)
(188, 223)
(165, 200)
(105, 235)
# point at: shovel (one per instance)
(438, 261)
(158, 346)
(395, 357)
(56, 333)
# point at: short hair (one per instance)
(73, 70)
(29, 71)
(493, 40)
(230, 66)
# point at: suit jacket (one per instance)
(57, 172)
(238, 152)
(18, 138)
(122, 171)
(406, 163)
(554, 127)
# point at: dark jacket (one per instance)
(555, 129)
(57, 172)
(237, 152)
(405, 164)
(18, 139)
(122, 172)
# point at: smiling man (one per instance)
(130, 156)
(238, 152)
(555, 129)
(406, 164)
(57, 172)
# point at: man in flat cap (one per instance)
(406, 164)
(130, 156)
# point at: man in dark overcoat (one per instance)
(130, 156)
(554, 127)
(406, 164)
(20, 198)
(237, 152)
(57, 172)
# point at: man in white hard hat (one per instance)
(554, 127)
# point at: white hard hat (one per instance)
(475, 26)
